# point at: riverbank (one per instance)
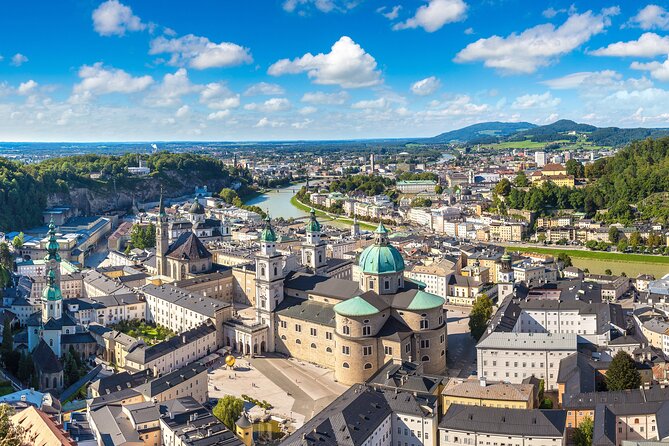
(303, 207)
(597, 261)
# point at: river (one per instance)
(277, 202)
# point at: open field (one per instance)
(597, 262)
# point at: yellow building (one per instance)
(480, 393)
(555, 173)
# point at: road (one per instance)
(461, 358)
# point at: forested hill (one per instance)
(97, 183)
(632, 184)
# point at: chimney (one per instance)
(482, 381)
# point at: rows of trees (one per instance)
(230, 196)
(369, 184)
(143, 236)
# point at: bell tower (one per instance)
(269, 280)
(313, 249)
(162, 238)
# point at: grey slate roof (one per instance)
(512, 422)
(143, 354)
(322, 285)
(45, 359)
(192, 301)
(188, 247)
(165, 382)
(307, 310)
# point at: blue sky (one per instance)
(324, 69)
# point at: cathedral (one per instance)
(351, 327)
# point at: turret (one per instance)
(162, 238)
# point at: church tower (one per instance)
(269, 280)
(162, 239)
(52, 258)
(355, 228)
(313, 249)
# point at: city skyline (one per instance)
(325, 69)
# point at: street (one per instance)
(461, 357)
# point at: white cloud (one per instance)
(18, 59)
(322, 5)
(537, 46)
(321, 98)
(217, 95)
(270, 105)
(527, 101)
(551, 12)
(435, 14)
(584, 79)
(308, 110)
(183, 111)
(218, 115)
(302, 124)
(264, 88)
(347, 65)
(657, 70)
(371, 104)
(469, 31)
(170, 90)
(461, 105)
(648, 45)
(390, 15)
(426, 87)
(651, 17)
(27, 87)
(98, 80)
(115, 18)
(265, 122)
(199, 52)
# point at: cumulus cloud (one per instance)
(264, 88)
(18, 59)
(461, 105)
(426, 87)
(270, 105)
(183, 111)
(27, 87)
(648, 45)
(657, 70)
(217, 95)
(435, 14)
(390, 14)
(321, 98)
(651, 17)
(537, 46)
(218, 115)
(114, 18)
(371, 104)
(199, 52)
(346, 65)
(308, 110)
(527, 101)
(99, 80)
(266, 122)
(584, 78)
(170, 90)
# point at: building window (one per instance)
(284, 324)
(367, 350)
(346, 330)
(312, 331)
(345, 350)
(368, 365)
(313, 345)
(345, 365)
(328, 350)
(297, 341)
(424, 343)
(298, 328)
(424, 324)
(328, 335)
(366, 330)
(386, 284)
(388, 350)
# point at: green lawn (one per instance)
(320, 213)
(598, 261)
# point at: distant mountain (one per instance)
(559, 131)
(484, 132)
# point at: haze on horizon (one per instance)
(272, 70)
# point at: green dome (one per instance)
(381, 260)
(312, 224)
(355, 307)
(267, 234)
(196, 207)
(425, 301)
(52, 291)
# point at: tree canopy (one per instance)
(622, 373)
(480, 316)
(228, 410)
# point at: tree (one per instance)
(564, 258)
(521, 180)
(26, 368)
(438, 189)
(228, 195)
(143, 236)
(480, 316)
(421, 202)
(18, 240)
(7, 337)
(6, 259)
(584, 431)
(635, 239)
(228, 410)
(614, 234)
(575, 168)
(10, 434)
(622, 373)
(503, 188)
(608, 272)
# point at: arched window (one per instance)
(283, 337)
(345, 365)
(368, 366)
(183, 271)
(424, 324)
(51, 342)
(313, 345)
(67, 331)
(386, 284)
(204, 267)
(346, 330)
(276, 271)
(328, 350)
(425, 358)
(297, 341)
(320, 258)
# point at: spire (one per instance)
(52, 247)
(381, 235)
(268, 234)
(161, 205)
(313, 225)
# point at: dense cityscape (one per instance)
(224, 260)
